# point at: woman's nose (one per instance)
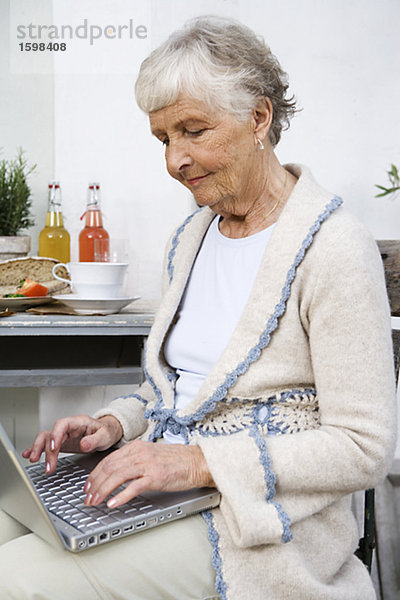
(178, 158)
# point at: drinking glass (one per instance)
(113, 250)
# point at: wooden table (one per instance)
(63, 350)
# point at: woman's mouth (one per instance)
(195, 180)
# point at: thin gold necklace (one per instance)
(221, 224)
(279, 199)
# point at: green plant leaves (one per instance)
(15, 203)
(394, 179)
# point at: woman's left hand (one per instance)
(147, 466)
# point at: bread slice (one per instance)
(15, 270)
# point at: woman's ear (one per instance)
(262, 118)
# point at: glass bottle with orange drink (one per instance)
(54, 239)
(93, 229)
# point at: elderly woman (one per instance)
(268, 369)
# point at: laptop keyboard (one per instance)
(62, 494)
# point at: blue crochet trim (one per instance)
(164, 417)
(168, 416)
(267, 421)
(216, 433)
(175, 242)
(213, 536)
(167, 419)
(172, 376)
(251, 415)
(270, 481)
(151, 381)
(130, 396)
(140, 398)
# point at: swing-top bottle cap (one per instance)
(93, 198)
(54, 196)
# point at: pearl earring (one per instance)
(260, 144)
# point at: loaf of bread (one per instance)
(15, 270)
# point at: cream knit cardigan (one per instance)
(313, 346)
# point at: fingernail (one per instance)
(87, 486)
(52, 445)
(47, 467)
(111, 503)
(88, 498)
(96, 498)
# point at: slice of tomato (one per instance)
(32, 288)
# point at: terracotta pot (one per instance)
(14, 246)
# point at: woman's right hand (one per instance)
(74, 434)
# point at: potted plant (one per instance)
(15, 207)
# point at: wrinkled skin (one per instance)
(146, 465)
(218, 158)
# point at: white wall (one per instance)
(339, 56)
(27, 105)
(342, 58)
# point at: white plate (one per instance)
(19, 304)
(89, 306)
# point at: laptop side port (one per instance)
(179, 511)
(115, 533)
(92, 540)
(140, 524)
(128, 528)
(103, 537)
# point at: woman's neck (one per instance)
(251, 215)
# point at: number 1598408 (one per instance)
(42, 46)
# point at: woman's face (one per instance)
(212, 154)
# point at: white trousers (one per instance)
(170, 562)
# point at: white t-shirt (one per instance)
(217, 291)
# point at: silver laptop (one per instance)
(52, 505)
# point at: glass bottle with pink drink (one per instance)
(93, 229)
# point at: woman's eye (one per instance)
(195, 133)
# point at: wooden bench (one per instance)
(380, 508)
(387, 494)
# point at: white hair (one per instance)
(220, 62)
